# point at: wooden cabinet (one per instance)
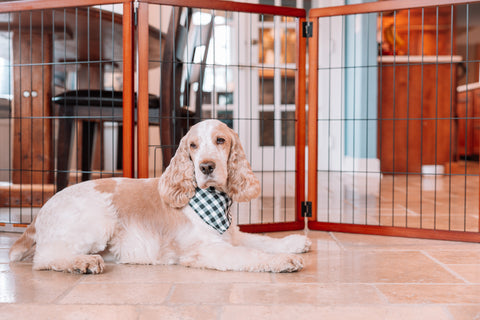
(415, 111)
(416, 104)
(468, 123)
(32, 128)
(417, 31)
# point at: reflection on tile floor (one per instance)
(443, 202)
(346, 276)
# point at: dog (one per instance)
(154, 221)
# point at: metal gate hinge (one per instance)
(307, 29)
(307, 209)
(135, 13)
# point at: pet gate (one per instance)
(107, 88)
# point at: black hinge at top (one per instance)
(135, 13)
(307, 209)
(307, 29)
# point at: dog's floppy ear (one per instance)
(177, 184)
(242, 184)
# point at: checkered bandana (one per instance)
(213, 207)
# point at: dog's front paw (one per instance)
(296, 243)
(286, 263)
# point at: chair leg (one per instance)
(88, 139)
(63, 151)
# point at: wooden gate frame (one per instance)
(313, 224)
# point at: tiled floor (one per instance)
(440, 202)
(346, 277)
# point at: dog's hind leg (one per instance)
(25, 245)
(87, 264)
(53, 256)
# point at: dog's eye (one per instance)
(193, 145)
(220, 140)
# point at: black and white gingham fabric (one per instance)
(213, 207)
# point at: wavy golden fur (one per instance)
(178, 182)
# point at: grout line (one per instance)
(62, 295)
(337, 241)
(220, 309)
(447, 312)
(138, 311)
(444, 266)
(273, 278)
(169, 294)
(381, 294)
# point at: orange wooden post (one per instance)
(142, 110)
(128, 91)
(300, 128)
(312, 117)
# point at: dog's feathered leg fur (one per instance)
(25, 245)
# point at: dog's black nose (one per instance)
(207, 167)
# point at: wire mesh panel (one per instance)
(63, 95)
(240, 67)
(397, 137)
(61, 103)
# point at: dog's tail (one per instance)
(25, 245)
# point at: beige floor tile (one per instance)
(4, 267)
(190, 312)
(352, 266)
(172, 273)
(20, 284)
(316, 262)
(310, 294)
(7, 239)
(67, 312)
(373, 242)
(457, 256)
(323, 241)
(346, 276)
(431, 293)
(117, 293)
(470, 272)
(334, 313)
(465, 312)
(4, 255)
(201, 293)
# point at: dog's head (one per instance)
(209, 155)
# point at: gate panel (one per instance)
(390, 109)
(61, 71)
(252, 80)
(243, 64)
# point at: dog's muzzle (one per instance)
(207, 167)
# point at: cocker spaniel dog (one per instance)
(180, 218)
